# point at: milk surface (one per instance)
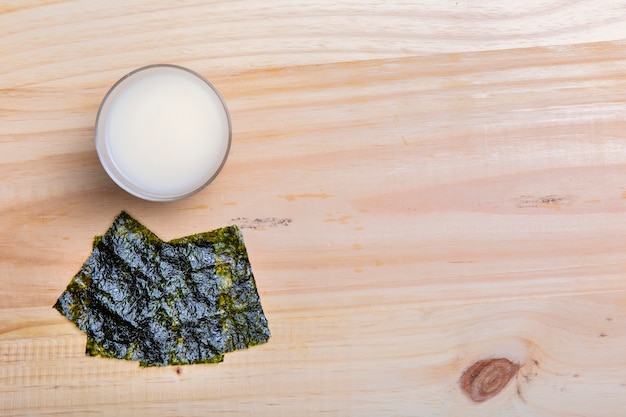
(167, 131)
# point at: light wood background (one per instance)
(421, 185)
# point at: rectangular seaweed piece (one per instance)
(186, 301)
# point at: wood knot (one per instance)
(486, 378)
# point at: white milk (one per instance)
(163, 133)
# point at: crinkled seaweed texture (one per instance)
(185, 301)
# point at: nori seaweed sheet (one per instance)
(189, 300)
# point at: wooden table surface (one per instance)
(422, 186)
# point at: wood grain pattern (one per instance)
(421, 186)
(397, 360)
(68, 42)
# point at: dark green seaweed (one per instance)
(186, 301)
